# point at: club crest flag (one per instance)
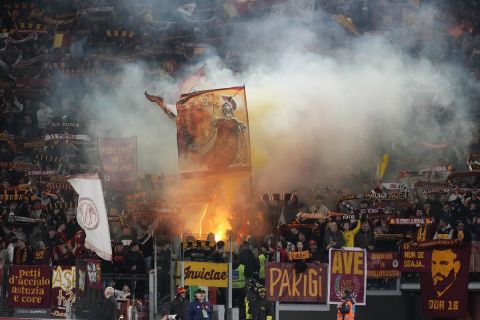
(92, 214)
(212, 131)
(445, 282)
(347, 270)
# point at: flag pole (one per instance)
(229, 310)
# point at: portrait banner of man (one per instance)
(445, 287)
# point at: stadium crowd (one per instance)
(52, 52)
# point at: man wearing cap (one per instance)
(179, 305)
(260, 308)
(199, 309)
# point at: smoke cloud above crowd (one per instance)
(320, 111)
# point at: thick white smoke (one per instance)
(316, 116)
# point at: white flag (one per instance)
(92, 214)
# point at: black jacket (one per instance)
(179, 307)
(260, 309)
(134, 259)
(248, 259)
(109, 309)
(364, 239)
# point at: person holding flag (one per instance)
(92, 214)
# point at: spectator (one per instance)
(423, 231)
(460, 234)
(302, 239)
(180, 304)
(348, 234)
(163, 265)
(249, 260)
(199, 309)
(37, 235)
(269, 248)
(262, 259)
(3, 253)
(53, 240)
(41, 256)
(63, 257)
(22, 254)
(118, 256)
(333, 237)
(293, 236)
(146, 243)
(282, 250)
(219, 253)
(364, 238)
(444, 230)
(316, 255)
(124, 294)
(133, 261)
(126, 237)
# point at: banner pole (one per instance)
(229, 312)
(277, 304)
(155, 273)
(182, 266)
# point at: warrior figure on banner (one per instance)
(229, 143)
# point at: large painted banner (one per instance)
(63, 290)
(212, 131)
(445, 282)
(118, 157)
(382, 265)
(29, 286)
(444, 267)
(285, 284)
(347, 270)
(206, 274)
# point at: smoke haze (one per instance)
(320, 111)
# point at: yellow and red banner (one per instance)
(29, 286)
(212, 131)
(445, 282)
(285, 284)
(347, 270)
(383, 265)
(63, 289)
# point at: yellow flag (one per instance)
(346, 23)
(382, 166)
(57, 40)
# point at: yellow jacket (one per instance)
(350, 235)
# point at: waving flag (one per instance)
(92, 214)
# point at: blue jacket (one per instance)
(194, 310)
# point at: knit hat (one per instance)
(181, 290)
